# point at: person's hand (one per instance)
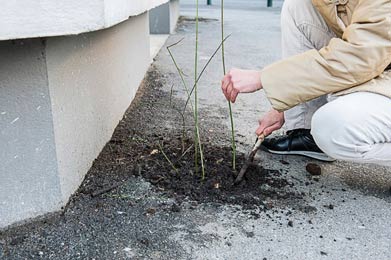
(273, 120)
(240, 81)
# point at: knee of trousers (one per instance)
(334, 133)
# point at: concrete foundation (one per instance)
(163, 19)
(60, 100)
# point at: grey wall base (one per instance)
(163, 19)
(60, 100)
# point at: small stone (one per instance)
(309, 209)
(144, 241)
(154, 151)
(284, 162)
(269, 205)
(250, 234)
(323, 253)
(151, 211)
(219, 161)
(330, 206)
(313, 169)
(175, 208)
(290, 223)
(265, 187)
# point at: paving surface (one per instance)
(349, 208)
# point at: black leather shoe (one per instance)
(295, 142)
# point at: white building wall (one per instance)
(61, 97)
(40, 18)
(29, 183)
(92, 80)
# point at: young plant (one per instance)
(197, 139)
(198, 150)
(233, 142)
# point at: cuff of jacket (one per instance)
(271, 88)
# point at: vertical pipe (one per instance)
(209, 2)
(269, 3)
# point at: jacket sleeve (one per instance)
(362, 54)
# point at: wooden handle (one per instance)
(261, 137)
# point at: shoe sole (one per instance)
(314, 155)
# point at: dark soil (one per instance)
(218, 183)
(151, 130)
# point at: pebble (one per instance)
(330, 206)
(151, 211)
(313, 169)
(175, 208)
(265, 187)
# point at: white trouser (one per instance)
(355, 127)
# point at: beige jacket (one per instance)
(356, 60)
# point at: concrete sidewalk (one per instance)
(348, 207)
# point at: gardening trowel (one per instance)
(249, 159)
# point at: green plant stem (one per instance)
(197, 129)
(168, 160)
(233, 142)
(180, 72)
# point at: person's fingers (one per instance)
(234, 94)
(229, 91)
(226, 92)
(225, 83)
(226, 80)
(267, 131)
(260, 129)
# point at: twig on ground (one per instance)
(185, 152)
(168, 159)
(106, 189)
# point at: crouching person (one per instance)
(332, 89)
